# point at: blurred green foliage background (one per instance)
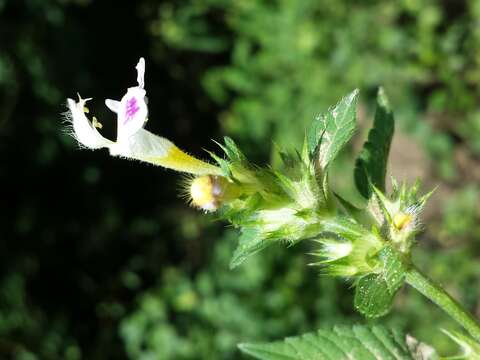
(99, 257)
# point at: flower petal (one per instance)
(83, 130)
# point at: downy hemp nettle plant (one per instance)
(369, 246)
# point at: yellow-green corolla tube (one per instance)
(133, 142)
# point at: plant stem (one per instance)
(440, 297)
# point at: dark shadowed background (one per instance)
(100, 258)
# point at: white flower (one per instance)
(133, 141)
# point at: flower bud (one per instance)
(210, 192)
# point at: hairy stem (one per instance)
(440, 297)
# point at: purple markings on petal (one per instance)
(131, 109)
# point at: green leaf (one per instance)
(329, 133)
(341, 342)
(371, 165)
(249, 243)
(374, 293)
